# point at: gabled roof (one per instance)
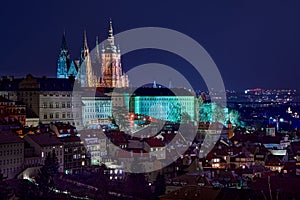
(7, 84)
(36, 83)
(153, 142)
(7, 137)
(91, 133)
(70, 139)
(45, 139)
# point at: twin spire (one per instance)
(109, 74)
(64, 42)
(85, 43)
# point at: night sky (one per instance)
(254, 43)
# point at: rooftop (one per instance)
(7, 137)
(45, 139)
(153, 142)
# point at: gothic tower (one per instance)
(86, 71)
(112, 74)
(63, 63)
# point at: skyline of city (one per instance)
(149, 100)
(244, 39)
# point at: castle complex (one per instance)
(101, 69)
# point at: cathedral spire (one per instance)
(111, 33)
(97, 40)
(64, 42)
(85, 45)
(85, 49)
(97, 45)
(85, 65)
(63, 63)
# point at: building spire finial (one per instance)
(97, 40)
(85, 45)
(111, 33)
(64, 41)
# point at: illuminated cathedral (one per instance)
(101, 69)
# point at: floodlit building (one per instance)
(164, 104)
(98, 68)
(96, 107)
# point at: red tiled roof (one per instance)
(45, 139)
(153, 142)
(168, 137)
(132, 153)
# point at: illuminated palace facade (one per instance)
(163, 104)
(94, 69)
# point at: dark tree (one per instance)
(160, 185)
(48, 172)
(102, 183)
(51, 164)
(5, 191)
(27, 190)
(136, 185)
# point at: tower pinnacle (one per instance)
(85, 45)
(64, 42)
(63, 63)
(111, 33)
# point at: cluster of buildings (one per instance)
(82, 114)
(45, 100)
(258, 164)
(88, 90)
(104, 121)
(259, 95)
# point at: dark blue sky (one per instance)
(254, 43)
